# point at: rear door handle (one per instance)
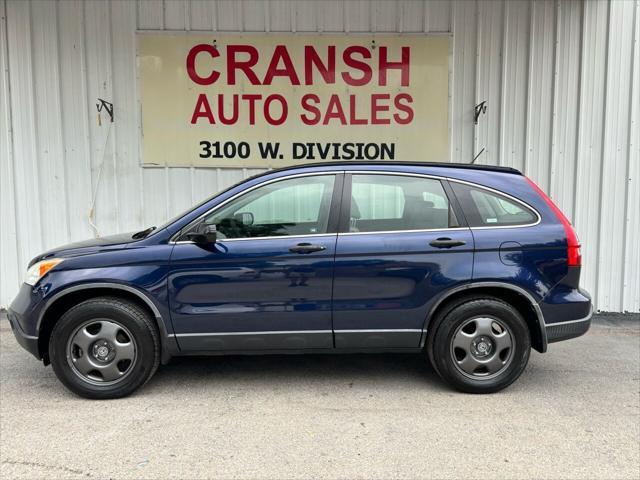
(307, 248)
(446, 242)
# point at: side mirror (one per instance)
(211, 233)
(206, 235)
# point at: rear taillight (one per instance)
(574, 258)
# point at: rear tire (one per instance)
(479, 345)
(104, 348)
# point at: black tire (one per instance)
(445, 358)
(114, 311)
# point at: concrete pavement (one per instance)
(574, 413)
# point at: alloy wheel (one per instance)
(482, 347)
(101, 352)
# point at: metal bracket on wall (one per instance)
(104, 105)
(480, 108)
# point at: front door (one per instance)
(401, 244)
(267, 281)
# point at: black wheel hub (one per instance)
(103, 351)
(482, 346)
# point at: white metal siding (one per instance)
(561, 80)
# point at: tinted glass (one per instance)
(394, 202)
(486, 209)
(298, 206)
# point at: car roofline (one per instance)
(351, 164)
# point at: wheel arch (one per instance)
(65, 299)
(516, 296)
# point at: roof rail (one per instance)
(349, 164)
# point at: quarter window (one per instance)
(487, 209)
(295, 206)
(394, 202)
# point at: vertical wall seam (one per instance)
(527, 104)
(576, 140)
(475, 149)
(344, 16)
(35, 146)
(423, 19)
(62, 123)
(85, 96)
(503, 73)
(214, 14)
(627, 178)
(292, 17)
(372, 18)
(552, 121)
(267, 15)
(11, 144)
(166, 169)
(114, 135)
(602, 150)
(526, 136)
(138, 123)
(476, 13)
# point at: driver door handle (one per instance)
(307, 248)
(446, 242)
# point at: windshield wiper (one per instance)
(143, 233)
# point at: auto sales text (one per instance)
(354, 66)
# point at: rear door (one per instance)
(400, 244)
(512, 244)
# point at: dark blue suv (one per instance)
(470, 265)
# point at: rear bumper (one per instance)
(556, 332)
(567, 314)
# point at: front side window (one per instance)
(295, 206)
(487, 209)
(393, 202)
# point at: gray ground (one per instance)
(575, 413)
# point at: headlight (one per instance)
(38, 270)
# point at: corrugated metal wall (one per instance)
(561, 80)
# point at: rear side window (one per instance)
(488, 209)
(383, 203)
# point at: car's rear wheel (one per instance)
(104, 348)
(480, 345)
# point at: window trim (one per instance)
(501, 194)
(345, 176)
(343, 228)
(337, 184)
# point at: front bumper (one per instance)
(23, 314)
(28, 342)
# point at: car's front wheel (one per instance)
(104, 348)
(480, 345)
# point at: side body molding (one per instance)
(168, 343)
(473, 285)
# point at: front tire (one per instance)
(480, 345)
(104, 348)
